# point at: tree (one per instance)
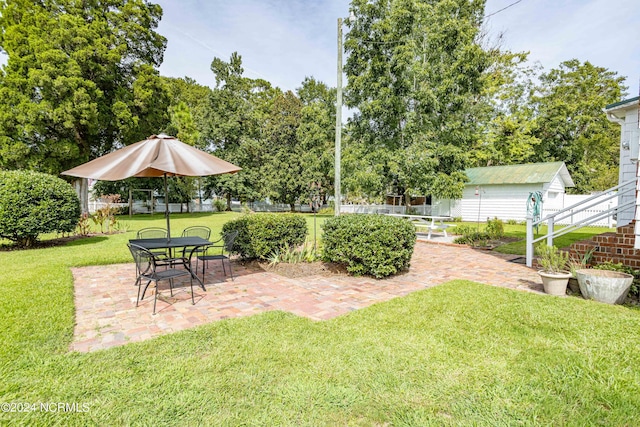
(188, 110)
(415, 71)
(571, 126)
(283, 174)
(316, 134)
(506, 112)
(238, 107)
(79, 79)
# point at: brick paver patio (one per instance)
(105, 296)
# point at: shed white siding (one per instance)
(505, 201)
(553, 193)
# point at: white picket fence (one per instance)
(580, 215)
(385, 209)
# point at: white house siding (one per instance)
(629, 134)
(505, 201)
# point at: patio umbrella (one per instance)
(156, 156)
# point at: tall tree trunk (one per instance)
(228, 202)
(82, 190)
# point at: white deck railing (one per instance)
(580, 215)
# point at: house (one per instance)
(503, 191)
(625, 113)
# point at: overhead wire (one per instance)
(504, 8)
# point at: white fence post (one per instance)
(550, 226)
(529, 256)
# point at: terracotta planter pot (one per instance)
(606, 286)
(555, 283)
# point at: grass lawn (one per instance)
(458, 354)
(520, 231)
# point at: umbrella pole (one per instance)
(166, 207)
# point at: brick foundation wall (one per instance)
(616, 247)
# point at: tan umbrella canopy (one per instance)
(158, 155)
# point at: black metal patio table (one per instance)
(173, 243)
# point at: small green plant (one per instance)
(495, 228)
(473, 238)
(83, 228)
(578, 261)
(107, 214)
(326, 211)
(293, 255)
(512, 222)
(121, 226)
(463, 229)
(469, 235)
(551, 259)
(220, 205)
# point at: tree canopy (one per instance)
(428, 98)
(80, 77)
(415, 72)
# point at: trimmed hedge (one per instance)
(32, 203)
(262, 234)
(369, 244)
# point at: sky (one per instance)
(284, 41)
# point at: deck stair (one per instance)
(610, 246)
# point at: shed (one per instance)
(503, 191)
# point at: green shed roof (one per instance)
(532, 173)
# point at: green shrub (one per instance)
(473, 238)
(263, 234)
(326, 211)
(464, 229)
(220, 205)
(32, 203)
(495, 228)
(378, 245)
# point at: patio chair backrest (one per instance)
(229, 238)
(145, 262)
(197, 231)
(152, 233)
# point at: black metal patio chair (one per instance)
(146, 269)
(225, 244)
(154, 233)
(196, 231)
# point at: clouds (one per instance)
(283, 41)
